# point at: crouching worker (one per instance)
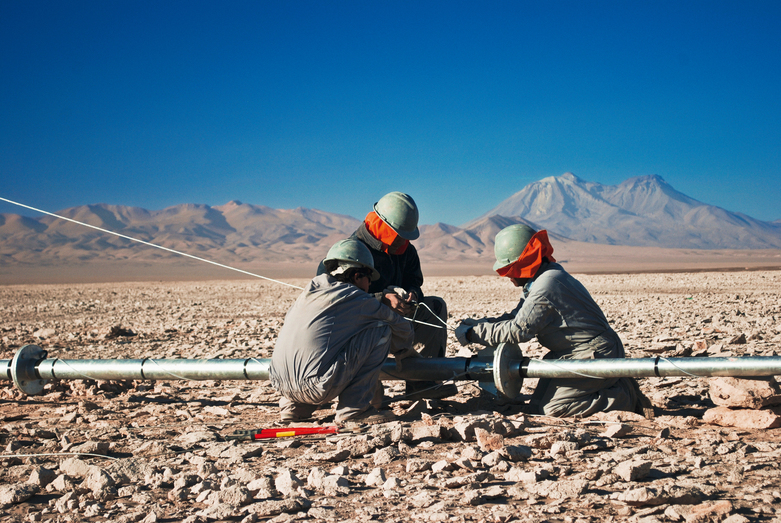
(387, 232)
(335, 339)
(560, 312)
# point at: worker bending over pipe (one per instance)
(560, 312)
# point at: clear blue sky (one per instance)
(330, 105)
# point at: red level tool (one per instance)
(281, 433)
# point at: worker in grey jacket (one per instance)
(334, 340)
(560, 312)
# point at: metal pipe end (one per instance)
(507, 370)
(23, 369)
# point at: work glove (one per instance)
(396, 302)
(403, 355)
(461, 331)
(398, 290)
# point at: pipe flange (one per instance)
(23, 369)
(480, 367)
(507, 370)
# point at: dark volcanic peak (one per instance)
(641, 211)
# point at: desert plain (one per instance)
(88, 450)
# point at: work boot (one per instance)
(290, 411)
(643, 405)
(429, 390)
(379, 399)
(370, 416)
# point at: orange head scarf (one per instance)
(529, 261)
(392, 243)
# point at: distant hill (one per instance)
(234, 231)
(231, 233)
(580, 216)
(641, 211)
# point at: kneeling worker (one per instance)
(560, 312)
(335, 339)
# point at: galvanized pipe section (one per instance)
(505, 366)
(154, 369)
(424, 369)
(437, 369)
(744, 366)
(252, 369)
(30, 368)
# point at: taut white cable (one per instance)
(440, 320)
(150, 244)
(170, 250)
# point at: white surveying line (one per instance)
(173, 251)
(413, 320)
(151, 244)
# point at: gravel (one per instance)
(156, 451)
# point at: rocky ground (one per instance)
(87, 450)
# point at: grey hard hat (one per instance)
(350, 253)
(510, 243)
(400, 212)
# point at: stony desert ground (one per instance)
(126, 451)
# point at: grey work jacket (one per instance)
(561, 313)
(319, 324)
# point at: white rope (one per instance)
(413, 320)
(166, 370)
(151, 244)
(443, 322)
(151, 360)
(64, 362)
(178, 252)
(550, 362)
(662, 358)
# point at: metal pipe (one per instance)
(438, 369)
(503, 366)
(423, 369)
(744, 366)
(30, 369)
(252, 369)
(154, 369)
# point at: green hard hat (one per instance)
(510, 243)
(400, 212)
(350, 253)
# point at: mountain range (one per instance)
(643, 211)
(234, 231)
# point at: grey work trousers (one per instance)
(582, 397)
(354, 378)
(565, 397)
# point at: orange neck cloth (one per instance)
(392, 243)
(529, 261)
